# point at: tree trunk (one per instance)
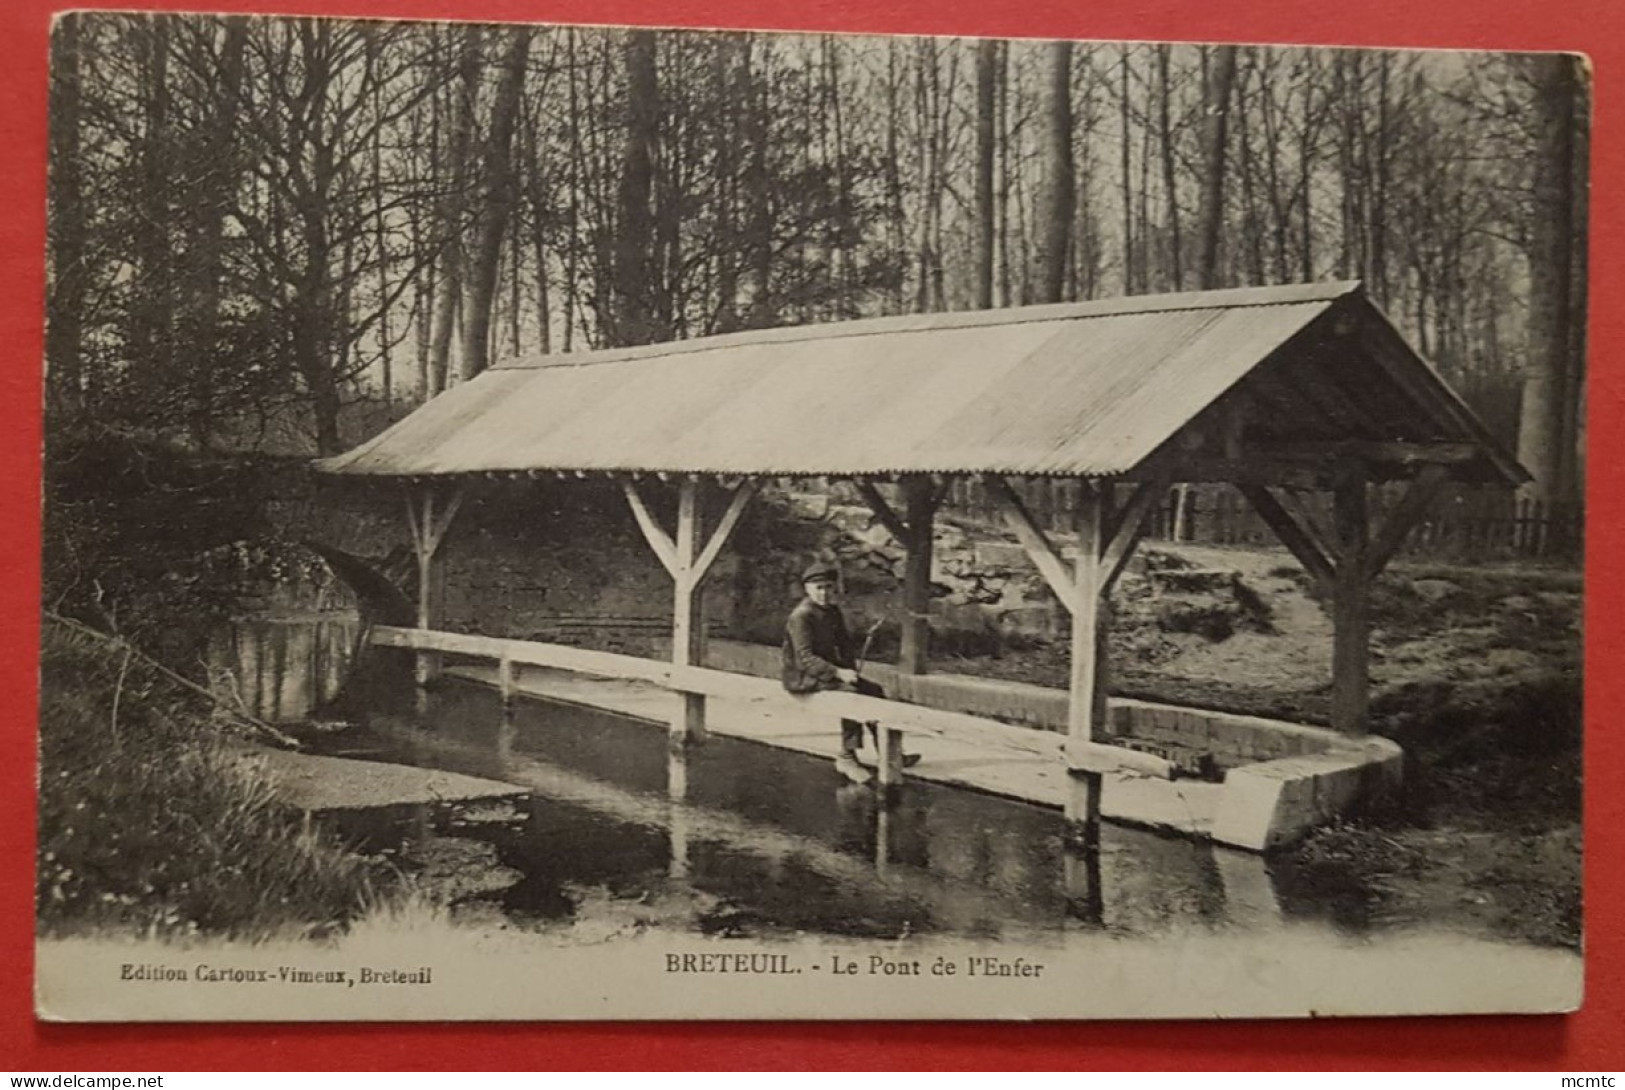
(1215, 130)
(1126, 175)
(153, 298)
(634, 318)
(987, 55)
(497, 202)
(215, 199)
(1002, 135)
(895, 217)
(728, 68)
(66, 298)
(1549, 380)
(453, 210)
(1060, 195)
(1170, 188)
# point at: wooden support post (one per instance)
(883, 831)
(1080, 879)
(1085, 719)
(431, 583)
(688, 557)
(688, 614)
(1351, 616)
(429, 516)
(889, 742)
(505, 679)
(920, 502)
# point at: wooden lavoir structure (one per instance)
(1279, 391)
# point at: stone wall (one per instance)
(548, 559)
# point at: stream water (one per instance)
(283, 667)
(735, 837)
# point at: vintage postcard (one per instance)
(550, 522)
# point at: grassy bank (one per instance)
(152, 821)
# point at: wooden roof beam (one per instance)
(1379, 453)
(1205, 469)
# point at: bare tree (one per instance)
(454, 208)
(68, 235)
(1060, 191)
(495, 203)
(1551, 379)
(1215, 131)
(987, 71)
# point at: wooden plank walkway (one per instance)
(765, 695)
(981, 759)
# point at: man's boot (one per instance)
(847, 764)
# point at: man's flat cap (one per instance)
(821, 572)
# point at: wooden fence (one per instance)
(1465, 524)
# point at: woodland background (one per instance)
(281, 234)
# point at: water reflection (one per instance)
(677, 818)
(736, 837)
(284, 668)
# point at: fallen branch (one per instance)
(120, 643)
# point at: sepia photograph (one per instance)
(564, 522)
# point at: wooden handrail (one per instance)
(1089, 757)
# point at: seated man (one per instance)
(818, 656)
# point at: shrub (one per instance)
(153, 819)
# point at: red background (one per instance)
(1593, 1039)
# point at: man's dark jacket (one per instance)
(815, 643)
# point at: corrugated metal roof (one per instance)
(1086, 389)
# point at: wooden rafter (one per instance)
(1341, 410)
